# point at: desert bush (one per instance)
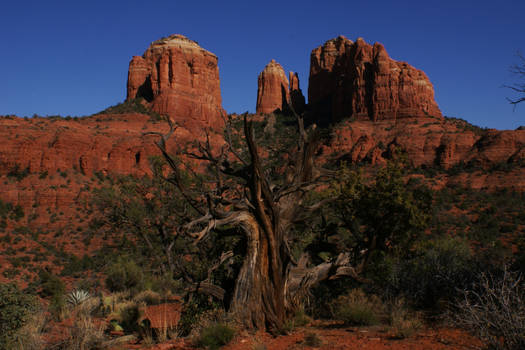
(148, 297)
(198, 313)
(129, 317)
(124, 275)
(301, 319)
(402, 321)
(16, 309)
(430, 276)
(77, 297)
(215, 336)
(495, 310)
(30, 336)
(51, 284)
(358, 309)
(83, 335)
(53, 287)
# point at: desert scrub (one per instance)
(403, 323)
(494, 309)
(215, 336)
(16, 309)
(358, 309)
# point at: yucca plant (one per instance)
(77, 297)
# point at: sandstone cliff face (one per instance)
(179, 78)
(428, 142)
(272, 89)
(276, 92)
(355, 79)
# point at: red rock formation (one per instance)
(272, 91)
(296, 95)
(358, 80)
(179, 78)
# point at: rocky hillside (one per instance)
(376, 105)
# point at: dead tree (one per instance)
(519, 70)
(270, 283)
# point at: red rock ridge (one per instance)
(359, 80)
(179, 78)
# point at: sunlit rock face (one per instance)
(276, 92)
(177, 77)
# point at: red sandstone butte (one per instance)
(276, 92)
(356, 79)
(179, 78)
(272, 89)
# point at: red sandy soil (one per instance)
(343, 338)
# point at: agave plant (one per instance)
(77, 297)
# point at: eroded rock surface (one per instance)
(356, 79)
(272, 89)
(177, 77)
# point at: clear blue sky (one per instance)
(71, 57)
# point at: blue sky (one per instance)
(71, 57)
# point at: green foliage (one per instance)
(431, 275)
(16, 308)
(197, 306)
(51, 285)
(215, 336)
(131, 106)
(18, 173)
(8, 210)
(17, 213)
(371, 217)
(124, 275)
(129, 317)
(75, 266)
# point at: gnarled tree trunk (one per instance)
(269, 286)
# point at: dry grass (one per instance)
(358, 309)
(30, 336)
(403, 322)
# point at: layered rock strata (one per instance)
(177, 77)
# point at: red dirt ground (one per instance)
(345, 338)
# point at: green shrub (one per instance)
(301, 319)
(51, 285)
(124, 275)
(430, 276)
(18, 173)
(16, 308)
(129, 317)
(215, 336)
(148, 297)
(358, 309)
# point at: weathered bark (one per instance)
(269, 286)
